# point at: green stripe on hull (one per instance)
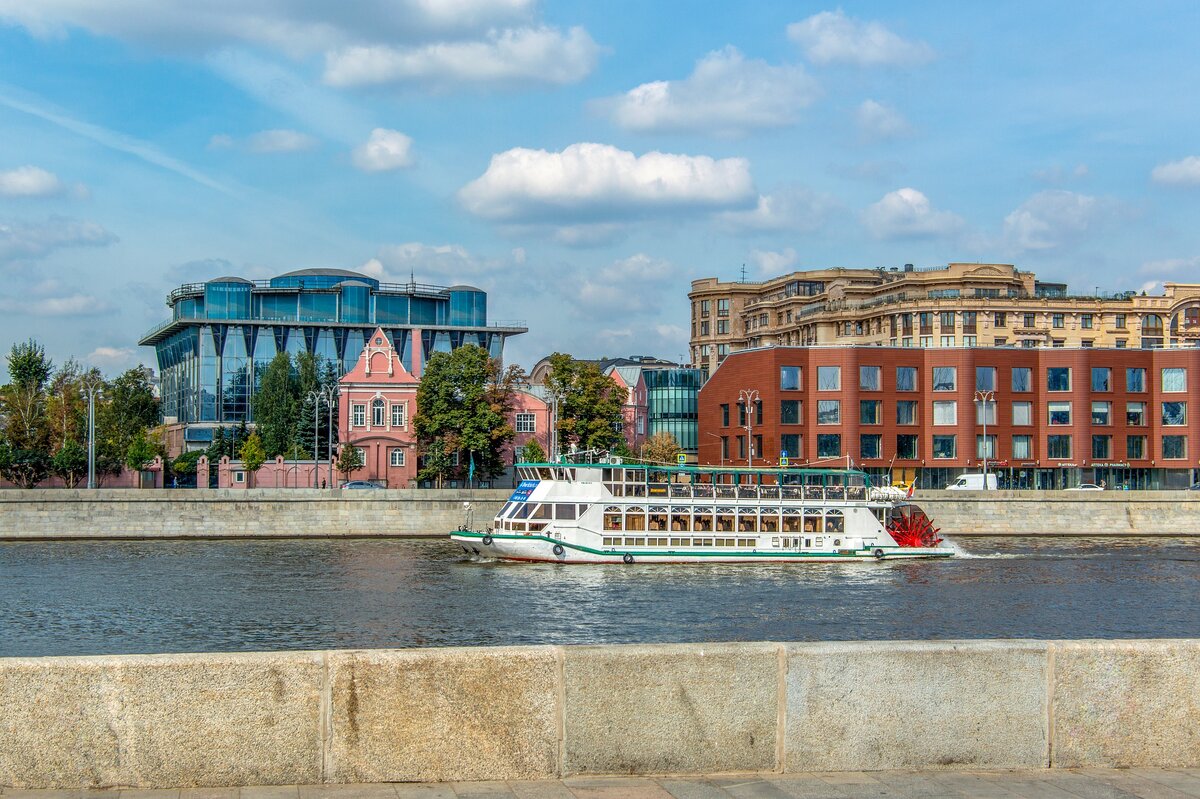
(856, 555)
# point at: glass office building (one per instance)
(223, 333)
(671, 403)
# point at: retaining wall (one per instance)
(268, 513)
(543, 712)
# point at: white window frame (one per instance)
(525, 422)
(399, 414)
(358, 415)
(392, 457)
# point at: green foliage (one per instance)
(590, 404)
(660, 448)
(252, 453)
(140, 453)
(349, 460)
(23, 399)
(621, 449)
(532, 452)
(129, 409)
(185, 464)
(276, 407)
(25, 468)
(28, 366)
(70, 463)
(464, 403)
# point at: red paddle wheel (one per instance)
(910, 527)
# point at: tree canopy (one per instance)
(590, 404)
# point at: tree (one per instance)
(140, 452)
(129, 409)
(590, 406)
(70, 463)
(275, 406)
(24, 468)
(218, 447)
(660, 448)
(464, 404)
(66, 405)
(185, 464)
(349, 460)
(24, 397)
(253, 455)
(532, 452)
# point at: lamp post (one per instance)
(316, 397)
(985, 397)
(90, 389)
(748, 397)
(330, 399)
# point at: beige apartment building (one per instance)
(958, 305)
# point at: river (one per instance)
(106, 597)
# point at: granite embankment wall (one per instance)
(282, 513)
(542, 712)
(250, 513)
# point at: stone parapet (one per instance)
(160, 721)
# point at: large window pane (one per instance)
(789, 378)
(1058, 446)
(829, 412)
(1101, 378)
(868, 378)
(1058, 378)
(869, 411)
(829, 378)
(829, 445)
(1174, 380)
(906, 412)
(1022, 378)
(869, 446)
(1135, 414)
(1135, 379)
(1102, 413)
(989, 445)
(944, 378)
(1060, 413)
(985, 412)
(906, 378)
(945, 413)
(789, 445)
(1174, 413)
(1174, 447)
(789, 411)
(1135, 447)
(1022, 447)
(985, 378)
(906, 447)
(944, 447)
(1022, 413)
(1101, 447)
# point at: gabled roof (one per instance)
(379, 363)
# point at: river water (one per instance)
(69, 598)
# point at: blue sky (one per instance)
(583, 162)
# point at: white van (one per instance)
(973, 482)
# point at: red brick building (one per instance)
(376, 403)
(1055, 417)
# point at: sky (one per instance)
(582, 162)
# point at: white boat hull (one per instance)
(542, 549)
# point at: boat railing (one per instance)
(853, 493)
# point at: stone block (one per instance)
(444, 715)
(670, 709)
(160, 720)
(902, 705)
(1126, 704)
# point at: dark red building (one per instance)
(1055, 418)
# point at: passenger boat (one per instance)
(633, 513)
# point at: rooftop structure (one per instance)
(957, 305)
(222, 333)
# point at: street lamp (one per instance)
(985, 397)
(331, 392)
(316, 397)
(749, 401)
(91, 387)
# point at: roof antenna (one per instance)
(412, 278)
(743, 273)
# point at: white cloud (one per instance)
(628, 286)
(443, 264)
(596, 183)
(522, 55)
(1052, 218)
(385, 150)
(29, 181)
(907, 213)
(280, 141)
(877, 122)
(771, 264)
(25, 240)
(67, 305)
(1172, 266)
(295, 28)
(831, 37)
(726, 94)
(789, 208)
(1185, 172)
(113, 357)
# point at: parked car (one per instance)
(973, 482)
(1085, 487)
(360, 484)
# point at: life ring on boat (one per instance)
(878, 553)
(558, 550)
(487, 540)
(628, 558)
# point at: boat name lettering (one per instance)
(524, 490)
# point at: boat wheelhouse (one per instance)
(617, 512)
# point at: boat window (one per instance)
(612, 542)
(813, 523)
(507, 507)
(543, 512)
(775, 542)
(564, 511)
(635, 519)
(681, 522)
(635, 542)
(537, 527)
(791, 524)
(808, 542)
(770, 524)
(747, 522)
(769, 492)
(612, 521)
(681, 542)
(658, 520)
(726, 542)
(518, 527)
(745, 542)
(522, 511)
(703, 520)
(834, 522)
(703, 542)
(724, 520)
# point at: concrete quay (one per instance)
(1012, 784)
(315, 513)
(551, 712)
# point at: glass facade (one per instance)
(222, 334)
(671, 403)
